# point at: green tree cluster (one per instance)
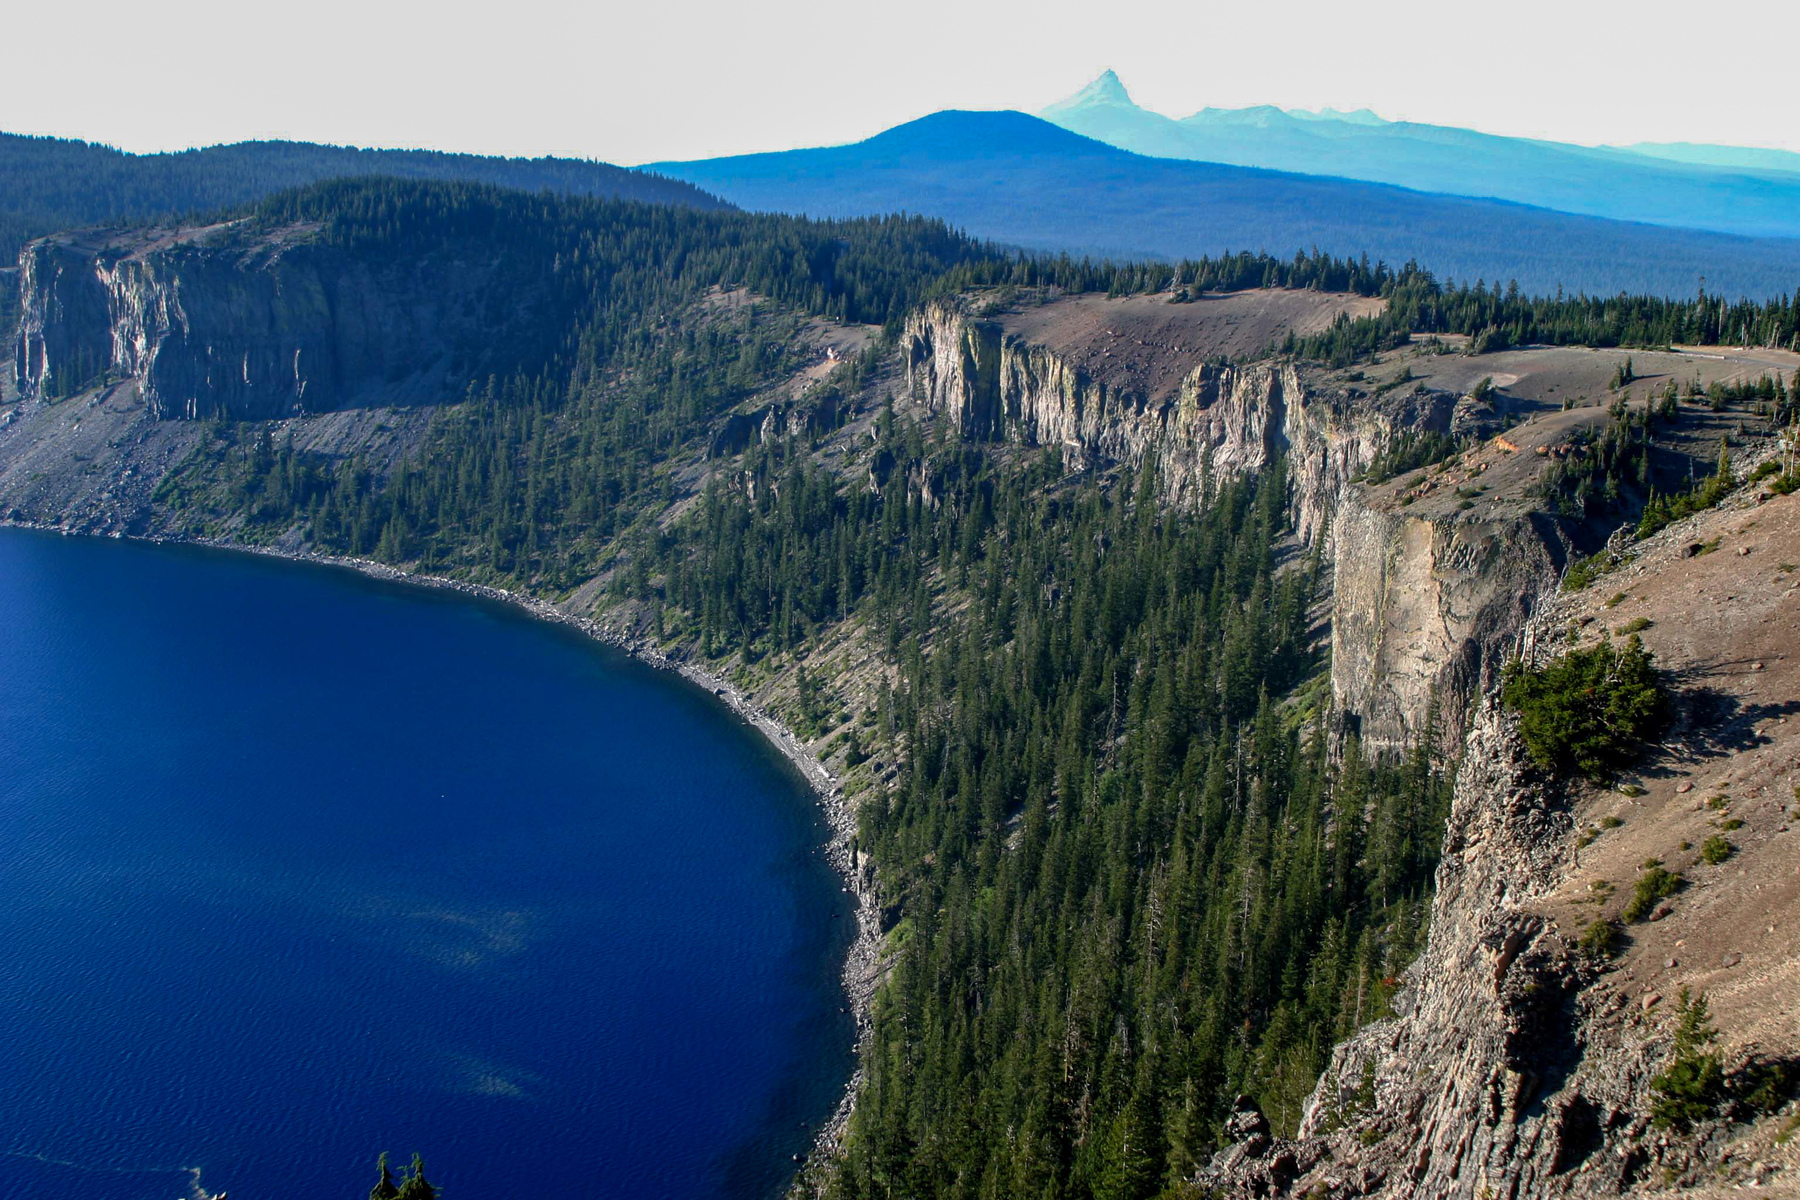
(1587, 711)
(1660, 511)
(412, 1186)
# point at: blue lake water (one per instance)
(297, 866)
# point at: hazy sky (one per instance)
(653, 80)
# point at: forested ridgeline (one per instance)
(639, 262)
(464, 279)
(631, 259)
(1496, 319)
(1494, 316)
(52, 184)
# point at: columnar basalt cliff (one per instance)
(1422, 606)
(996, 386)
(255, 324)
(1426, 608)
(63, 339)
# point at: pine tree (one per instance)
(415, 1187)
(384, 1188)
(1690, 1088)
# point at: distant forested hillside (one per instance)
(48, 184)
(1022, 181)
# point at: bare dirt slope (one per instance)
(1531, 388)
(1717, 600)
(93, 462)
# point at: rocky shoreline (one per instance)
(862, 961)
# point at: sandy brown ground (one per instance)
(828, 346)
(1725, 623)
(1532, 386)
(1549, 375)
(1146, 345)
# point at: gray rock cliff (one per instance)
(259, 324)
(1421, 605)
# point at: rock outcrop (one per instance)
(1515, 1103)
(1518, 1064)
(254, 324)
(808, 416)
(1222, 421)
(64, 333)
(1427, 608)
(1422, 606)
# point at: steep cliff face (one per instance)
(1421, 604)
(1494, 1007)
(997, 386)
(64, 327)
(1219, 421)
(1426, 606)
(258, 324)
(1516, 1064)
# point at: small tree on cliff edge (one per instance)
(1586, 711)
(413, 1187)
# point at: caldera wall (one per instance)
(1421, 607)
(258, 325)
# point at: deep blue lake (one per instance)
(297, 867)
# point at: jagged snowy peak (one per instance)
(1105, 90)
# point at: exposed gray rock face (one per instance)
(1428, 605)
(1224, 421)
(808, 416)
(1510, 1069)
(255, 325)
(1533, 1088)
(64, 327)
(1493, 1005)
(1420, 605)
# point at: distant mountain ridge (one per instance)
(49, 184)
(1703, 154)
(1755, 193)
(1019, 180)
